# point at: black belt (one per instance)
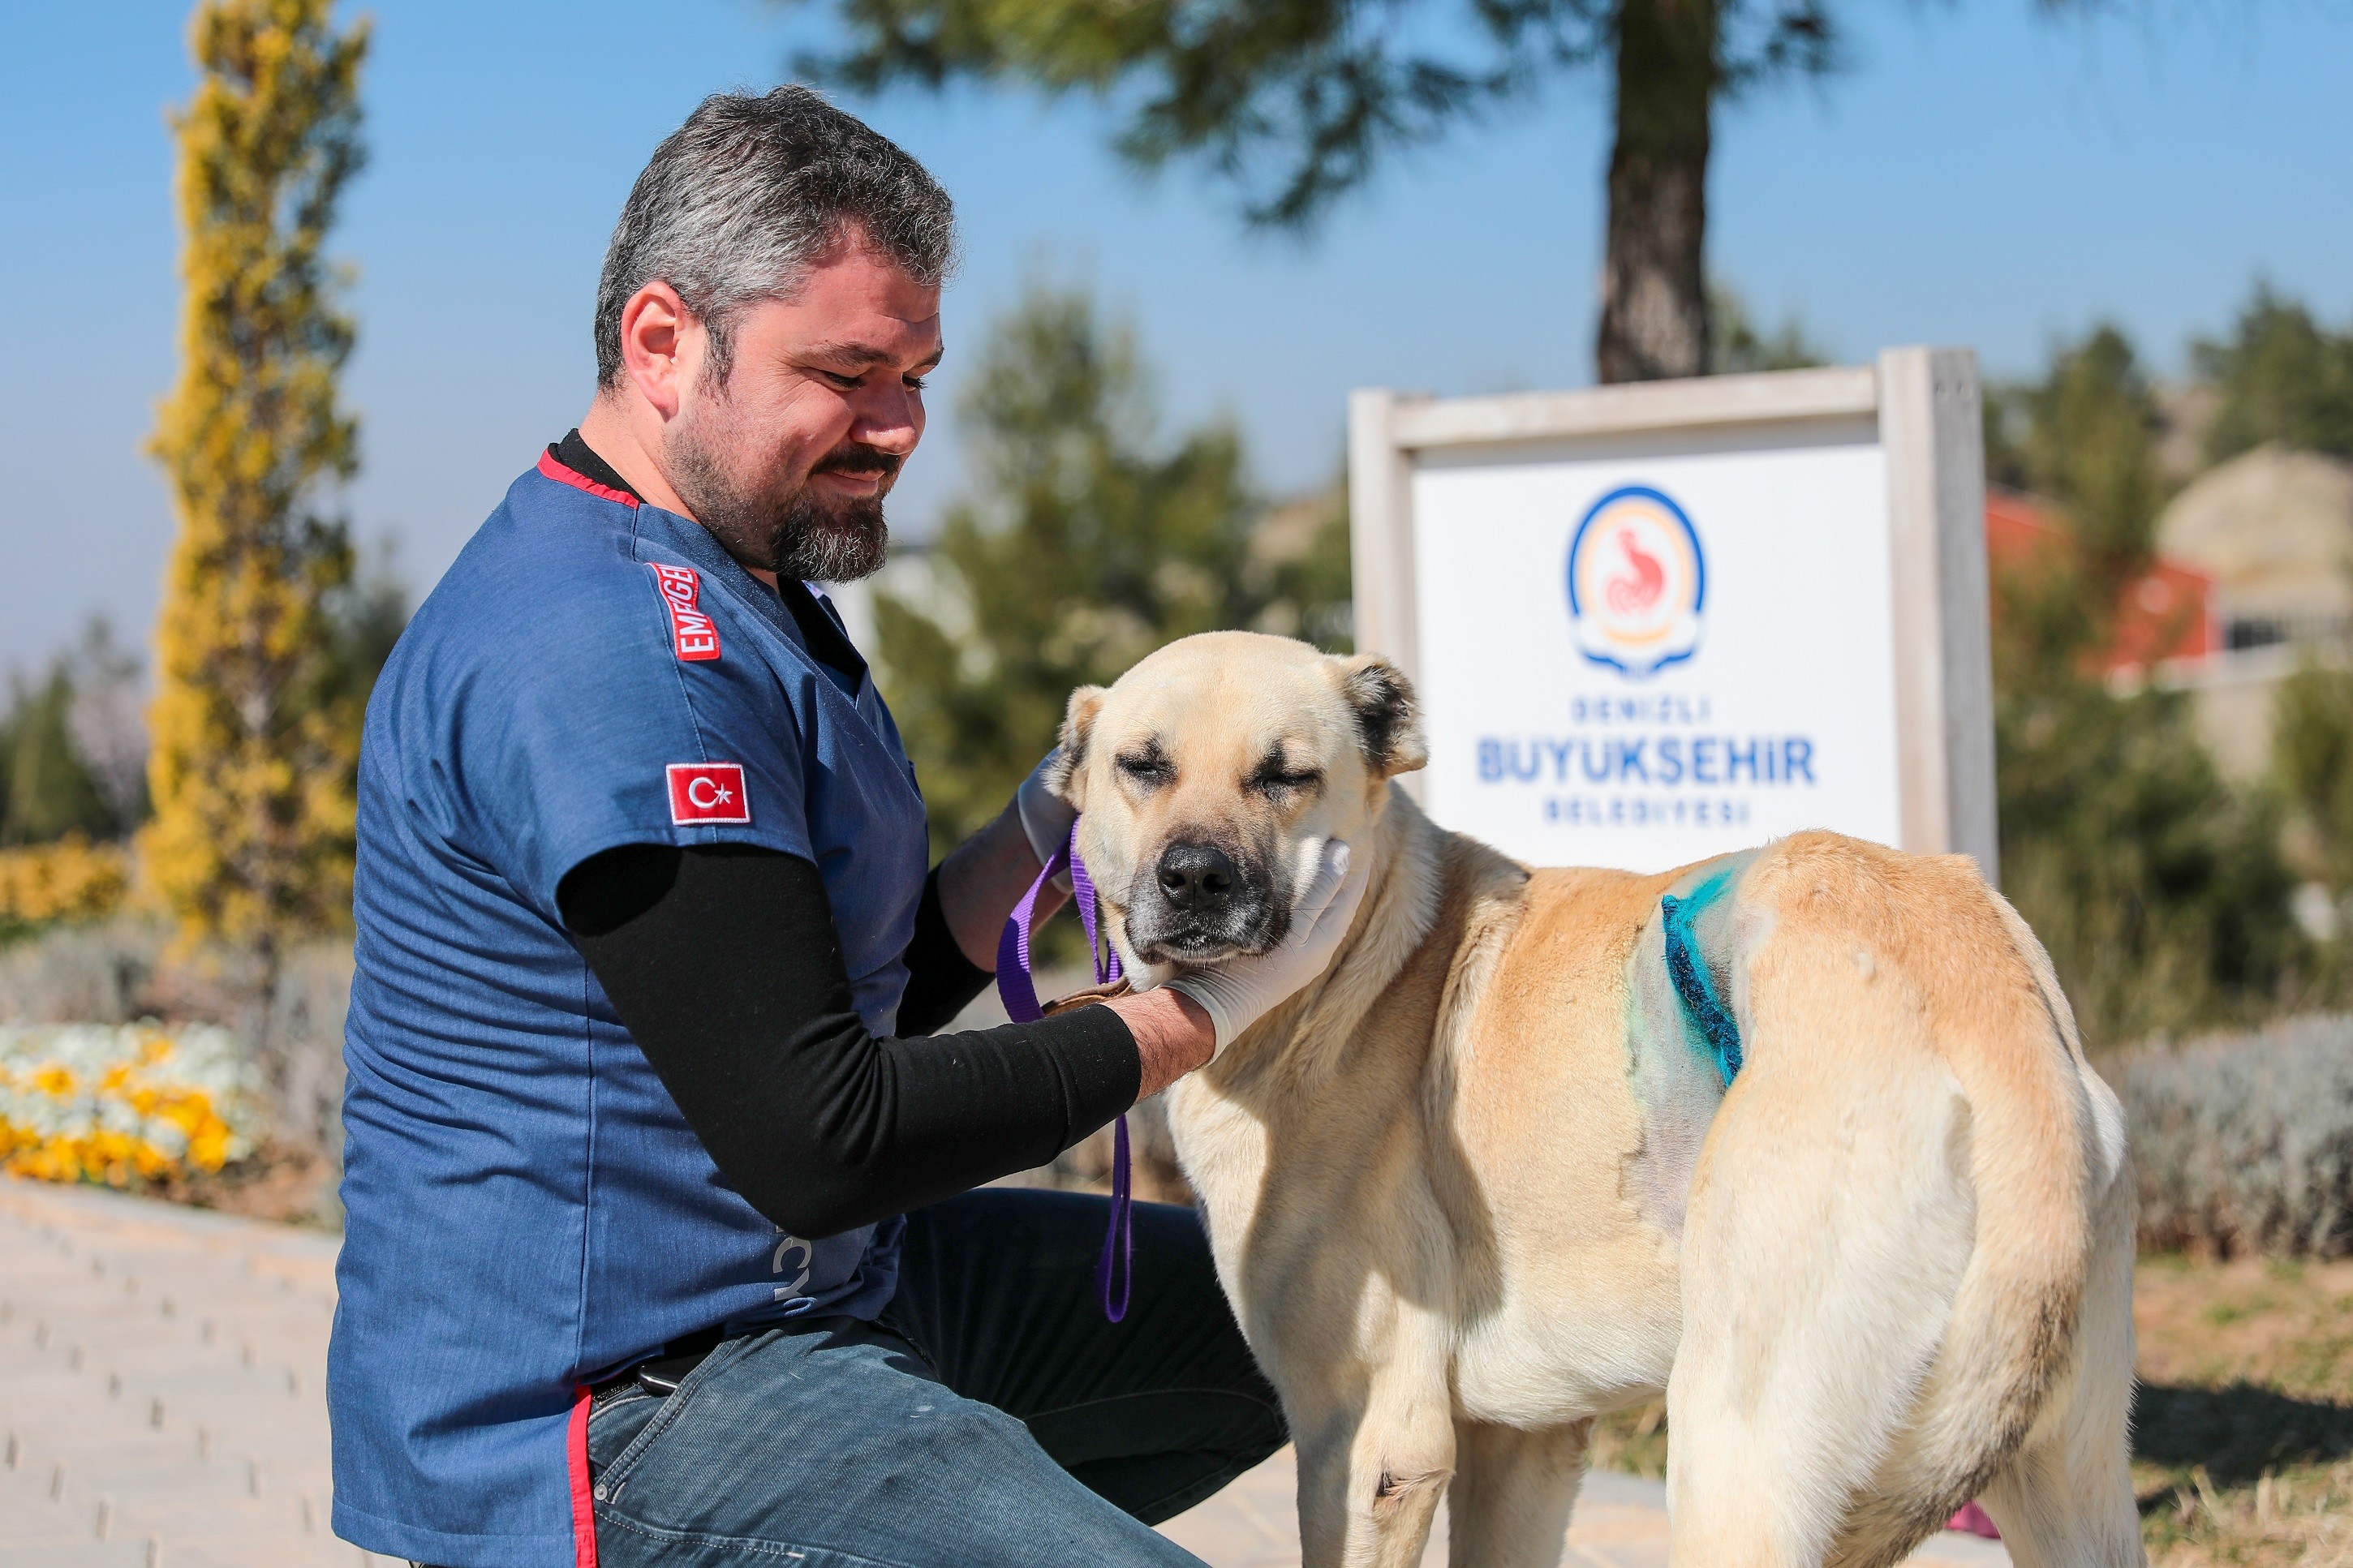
(662, 1373)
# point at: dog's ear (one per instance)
(1389, 719)
(1067, 776)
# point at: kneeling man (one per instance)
(661, 1246)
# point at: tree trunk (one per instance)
(1653, 279)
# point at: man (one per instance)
(638, 1265)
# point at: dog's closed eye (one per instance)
(1281, 778)
(1148, 768)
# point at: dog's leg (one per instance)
(1820, 1258)
(1512, 1491)
(1372, 1470)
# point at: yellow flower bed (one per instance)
(71, 880)
(86, 1102)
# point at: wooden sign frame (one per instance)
(1927, 403)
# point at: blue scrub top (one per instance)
(526, 1209)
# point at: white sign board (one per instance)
(1651, 624)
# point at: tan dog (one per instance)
(1484, 1180)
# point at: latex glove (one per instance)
(1239, 992)
(1046, 817)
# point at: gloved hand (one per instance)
(1046, 817)
(1239, 992)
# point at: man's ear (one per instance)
(1389, 719)
(1067, 777)
(656, 329)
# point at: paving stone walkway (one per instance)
(162, 1386)
(1621, 1523)
(162, 1405)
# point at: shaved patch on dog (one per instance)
(1684, 983)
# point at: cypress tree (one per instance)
(254, 737)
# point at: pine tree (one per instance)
(2280, 376)
(2159, 890)
(1736, 345)
(47, 791)
(1089, 544)
(2312, 759)
(1298, 101)
(256, 733)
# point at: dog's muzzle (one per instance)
(1197, 903)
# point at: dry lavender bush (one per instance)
(2244, 1144)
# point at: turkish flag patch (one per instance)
(708, 792)
(694, 636)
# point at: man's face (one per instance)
(787, 461)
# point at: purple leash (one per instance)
(1017, 984)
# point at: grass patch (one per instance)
(2243, 1426)
(1634, 1441)
(2242, 1429)
(2222, 1314)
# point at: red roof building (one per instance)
(2171, 612)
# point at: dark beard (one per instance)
(808, 540)
(796, 536)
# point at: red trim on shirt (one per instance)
(563, 475)
(575, 1437)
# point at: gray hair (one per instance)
(741, 201)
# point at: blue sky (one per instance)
(1976, 176)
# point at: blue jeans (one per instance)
(992, 1415)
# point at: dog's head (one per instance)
(1210, 778)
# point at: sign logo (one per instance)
(708, 792)
(692, 634)
(1637, 583)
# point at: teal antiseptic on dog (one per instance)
(1684, 1043)
(1693, 980)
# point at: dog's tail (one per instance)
(2030, 1403)
(1904, 1035)
(2009, 1037)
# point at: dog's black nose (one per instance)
(1197, 877)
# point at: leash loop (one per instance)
(1017, 984)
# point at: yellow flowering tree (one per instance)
(255, 738)
(70, 879)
